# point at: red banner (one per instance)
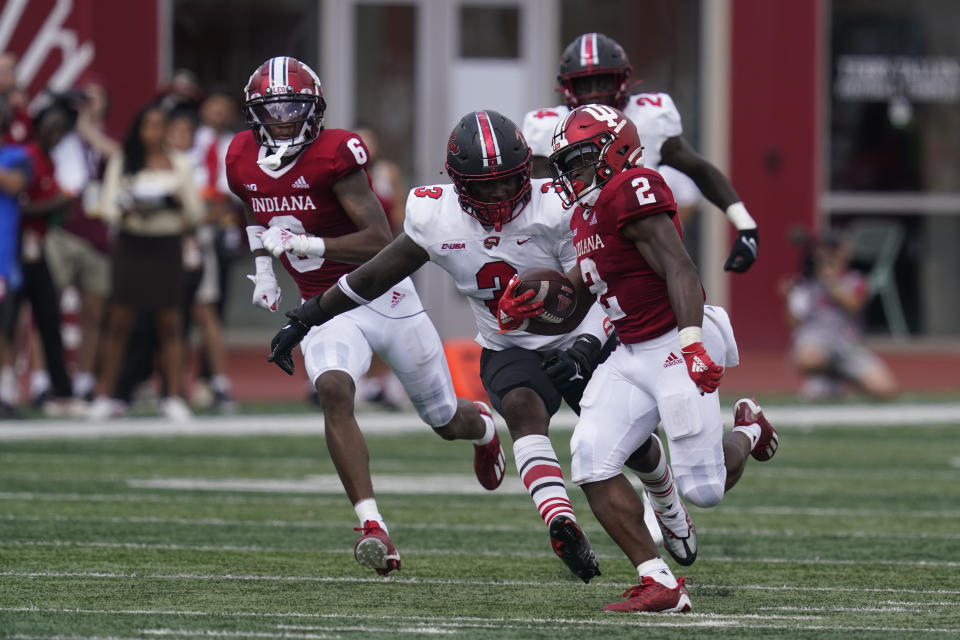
(62, 43)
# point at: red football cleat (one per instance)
(650, 595)
(375, 550)
(489, 462)
(747, 411)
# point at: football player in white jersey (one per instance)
(307, 190)
(490, 224)
(594, 69)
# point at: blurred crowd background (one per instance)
(123, 255)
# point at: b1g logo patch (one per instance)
(490, 242)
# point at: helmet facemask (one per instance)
(301, 115)
(486, 209)
(574, 164)
(596, 86)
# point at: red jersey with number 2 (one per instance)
(633, 295)
(299, 197)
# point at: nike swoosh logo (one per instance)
(524, 241)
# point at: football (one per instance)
(553, 289)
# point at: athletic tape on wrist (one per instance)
(689, 335)
(350, 293)
(264, 264)
(253, 237)
(741, 219)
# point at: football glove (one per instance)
(266, 289)
(704, 372)
(513, 312)
(568, 368)
(744, 251)
(289, 336)
(301, 320)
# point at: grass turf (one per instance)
(848, 532)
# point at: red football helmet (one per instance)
(488, 161)
(594, 69)
(592, 136)
(284, 104)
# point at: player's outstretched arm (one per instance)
(678, 153)
(397, 261)
(660, 245)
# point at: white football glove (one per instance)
(266, 289)
(278, 240)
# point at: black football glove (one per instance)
(744, 251)
(568, 368)
(301, 320)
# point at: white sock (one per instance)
(83, 383)
(490, 430)
(659, 571)
(367, 509)
(752, 431)
(542, 476)
(9, 392)
(220, 383)
(39, 381)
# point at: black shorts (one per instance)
(503, 371)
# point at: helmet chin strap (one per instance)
(273, 161)
(590, 198)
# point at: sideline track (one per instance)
(375, 422)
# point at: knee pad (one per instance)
(704, 491)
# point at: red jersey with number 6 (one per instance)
(299, 196)
(633, 295)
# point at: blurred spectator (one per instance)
(15, 175)
(45, 203)
(150, 193)
(825, 305)
(220, 242)
(379, 385)
(183, 92)
(78, 250)
(17, 129)
(386, 178)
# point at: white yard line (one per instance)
(690, 620)
(803, 416)
(437, 526)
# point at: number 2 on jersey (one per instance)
(494, 275)
(591, 277)
(644, 191)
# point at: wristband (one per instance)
(737, 213)
(264, 264)
(689, 335)
(253, 237)
(314, 247)
(349, 292)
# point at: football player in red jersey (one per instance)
(491, 223)
(309, 197)
(631, 258)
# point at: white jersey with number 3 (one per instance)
(482, 260)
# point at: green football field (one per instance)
(850, 531)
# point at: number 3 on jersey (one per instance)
(591, 277)
(494, 275)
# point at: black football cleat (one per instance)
(571, 545)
